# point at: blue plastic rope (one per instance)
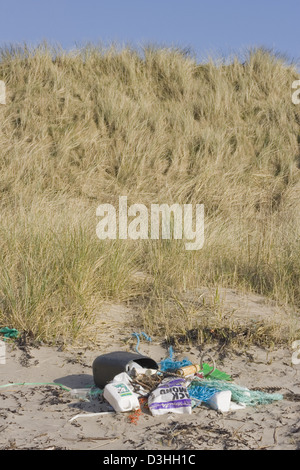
(137, 335)
(170, 364)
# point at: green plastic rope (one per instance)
(35, 383)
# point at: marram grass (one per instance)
(82, 128)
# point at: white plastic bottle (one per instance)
(120, 397)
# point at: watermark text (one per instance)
(296, 94)
(164, 221)
(2, 352)
(296, 354)
(2, 92)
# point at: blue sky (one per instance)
(215, 27)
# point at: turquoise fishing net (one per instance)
(198, 389)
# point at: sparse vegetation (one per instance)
(84, 127)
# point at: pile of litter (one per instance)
(131, 382)
(171, 386)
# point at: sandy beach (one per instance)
(38, 411)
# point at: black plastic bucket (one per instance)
(107, 366)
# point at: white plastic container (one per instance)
(120, 397)
(220, 401)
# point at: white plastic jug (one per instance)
(120, 397)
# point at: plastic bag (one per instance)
(171, 396)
